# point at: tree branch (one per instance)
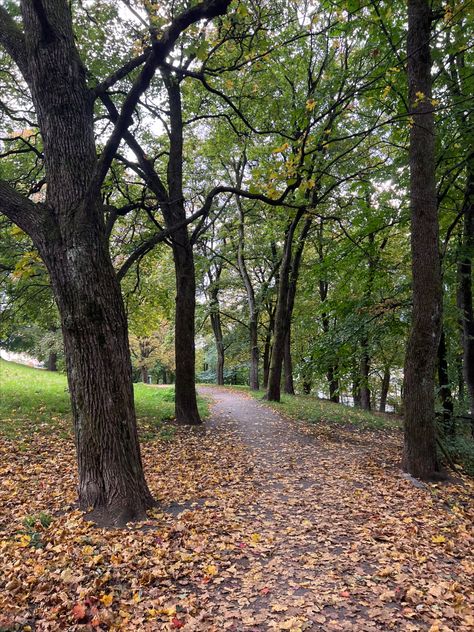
(19, 209)
(160, 50)
(11, 38)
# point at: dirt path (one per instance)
(262, 524)
(339, 540)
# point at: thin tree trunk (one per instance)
(281, 315)
(144, 374)
(445, 394)
(51, 363)
(186, 408)
(419, 453)
(267, 352)
(384, 390)
(465, 291)
(333, 384)
(288, 365)
(252, 305)
(216, 325)
(364, 376)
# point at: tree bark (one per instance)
(333, 382)
(288, 365)
(384, 390)
(186, 409)
(281, 315)
(445, 394)
(252, 304)
(69, 234)
(217, 330)
(465, 290)
(144, 374)
(364, 376)
(419, 453)
(51, 363)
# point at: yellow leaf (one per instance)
(438, 539)
(88, 549)
(210, 570)
(136, 597)
(24, 540)
(279, 607)
(310, 105)
(107, 599)
(255, 537)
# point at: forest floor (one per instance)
(264, 523)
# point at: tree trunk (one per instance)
(217, 330)
(384, 390)
(465, 290)
(252, 305)
(267, 353)
(419, 454)
(333, 381)
(186, 408)
(281, 315)
(445, 394)
(69, 232)
(94, 326)
(364, 376)
(288, 365)
(51, 363)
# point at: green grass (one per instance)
(34, 400)
(313, 410)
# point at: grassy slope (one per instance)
(309, 408)
(34, 399)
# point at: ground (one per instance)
(264, 523)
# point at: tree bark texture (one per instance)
(186, 408)
(384, 389)
(252, 304)
(465, 290)
(51, 363)
(69, 234)
(288, 280)
(217, 330)
(288, 365)
(419, 453)
(445, 394)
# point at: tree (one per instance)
(419, 452)
(68, 230)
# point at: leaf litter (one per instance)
(263, 524)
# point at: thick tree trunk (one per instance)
(51, 362)
(93, 320)
(445, 394)
(419, 454)
(384, 390)
(186, 408)
(69, 233)
(288, 365)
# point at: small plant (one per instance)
(34, 525)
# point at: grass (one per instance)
(314, 410)
(34, 400)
